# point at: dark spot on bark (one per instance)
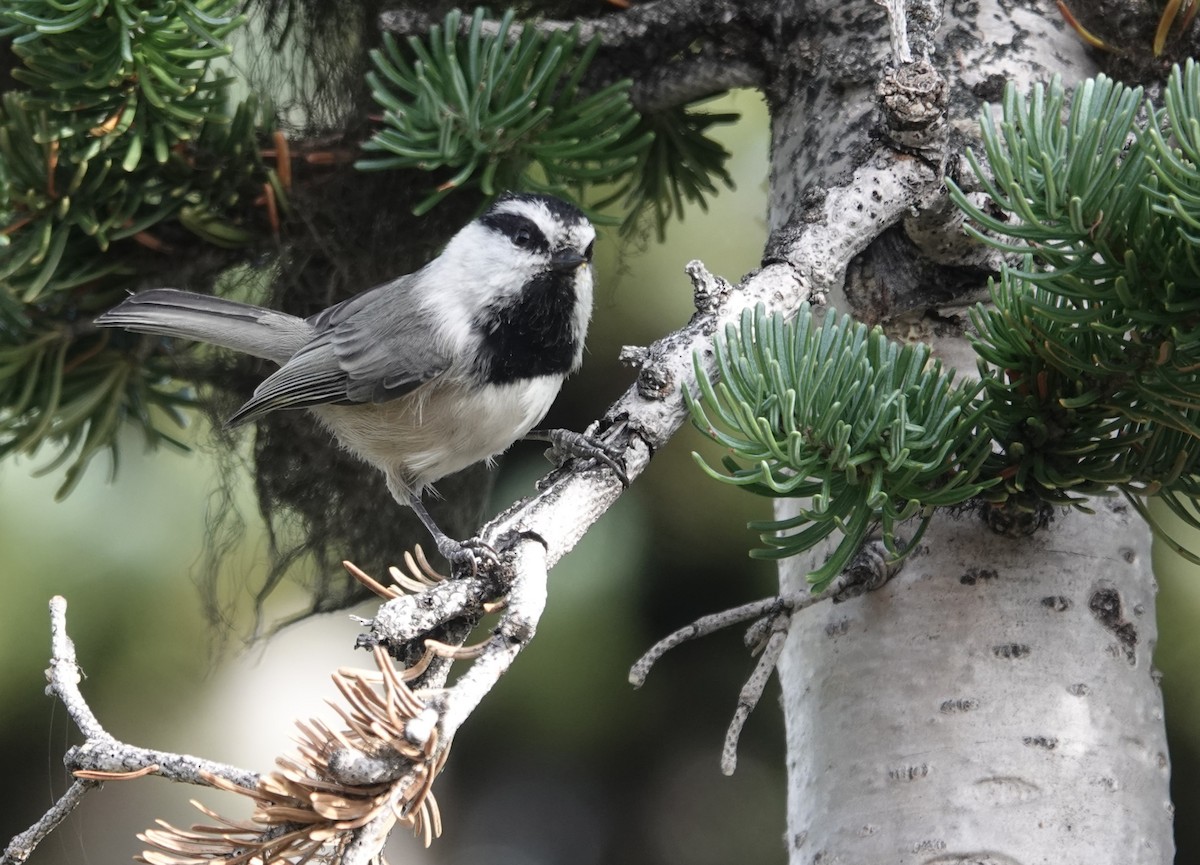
(1106, 606)
(961, 704)
(990, 89)
(909, 773)
(836, 629)
(655, 383)
(1057, 603)
(1047, 742)
(1011, 651)
(929, 845)
(977, 575)
(1078, 690)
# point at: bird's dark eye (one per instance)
(587, 253)
(522, 237)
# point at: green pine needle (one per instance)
(120, 127)
(504, 111)
(682, 166)
(871, 431)
(1090, 351)
(497, 112)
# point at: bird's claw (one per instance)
(567, 444)
(468, 553)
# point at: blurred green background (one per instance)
(564, 762)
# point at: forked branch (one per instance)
(871, 568)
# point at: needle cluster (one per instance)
(118, 142)
(872, 432)
(1090, 351)
(500, 110)
(494, 105)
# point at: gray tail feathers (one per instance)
(227, 323)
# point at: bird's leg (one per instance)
(456, 552)
(566, 444)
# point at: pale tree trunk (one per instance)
(995, 702)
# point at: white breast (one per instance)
(440, 429)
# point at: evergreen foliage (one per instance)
(122, 129)
(504, 108)
(1089, 353)
(681, 164)
(873, 431)
(501, 111)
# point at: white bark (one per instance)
(994, 703)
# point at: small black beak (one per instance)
(567, 260)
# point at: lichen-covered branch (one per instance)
(21, 846)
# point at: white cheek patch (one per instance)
(477, 268)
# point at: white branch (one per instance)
(64, 675)
(898, 31)
(518, 623)
(101, 757)
(100, 752)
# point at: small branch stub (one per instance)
(913, 97)
(709, 291)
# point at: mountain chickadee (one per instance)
(431, 372)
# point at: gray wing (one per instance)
(370, 348)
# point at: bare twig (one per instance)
(752, 690)
(871, 568)
(901, 50)
(101, 753)
(112, 756)
(64, 674)
(21, 847)
(707, 625)
(101, 757)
